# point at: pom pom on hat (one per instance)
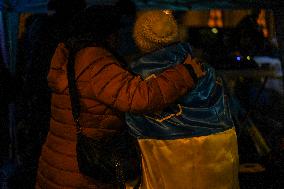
(154, 29)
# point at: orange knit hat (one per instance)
(154, 29)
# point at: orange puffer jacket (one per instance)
(105, 89)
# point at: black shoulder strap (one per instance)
(73, 92)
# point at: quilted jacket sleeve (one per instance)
(114, 86)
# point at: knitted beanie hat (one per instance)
(154, 29)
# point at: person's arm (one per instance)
(114, 86)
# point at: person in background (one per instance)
(6, 95)
(192, 143)
(249, 38)
(106, 90)
(43, 33)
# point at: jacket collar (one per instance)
(159, 60)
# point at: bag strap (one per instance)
(73, 92)
(75, 102)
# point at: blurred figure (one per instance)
(5, 97)
(43, 33)
(249, 39)
(261, 97)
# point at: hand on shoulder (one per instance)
(196, 65)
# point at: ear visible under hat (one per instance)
(154, 29)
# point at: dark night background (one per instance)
(250, 61)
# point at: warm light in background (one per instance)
(215, 18)
(167, 11)
(22, 24)
(261, 21)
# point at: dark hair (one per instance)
(92, 27)
(127, 7)
(66, 6)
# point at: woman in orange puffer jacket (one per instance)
(106, 90)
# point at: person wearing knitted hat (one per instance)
(105, 90)
(192, 143)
